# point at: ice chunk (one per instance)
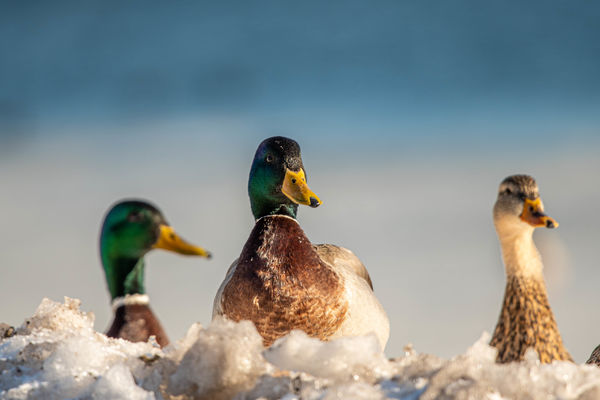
(56, 354)
(65, 318)
(354, 391)
(221, 361)
(118, 384)
(476, 375)
(348, 358)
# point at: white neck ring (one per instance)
(130, 300)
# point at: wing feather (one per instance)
(341, 257)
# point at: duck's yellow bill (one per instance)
(295, 188)
(171, 241)
(533, 214)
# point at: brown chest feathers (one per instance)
(281, 284)
(526, 320)
(136, 323)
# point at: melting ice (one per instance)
(56, 354)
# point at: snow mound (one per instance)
(476, 375)
(218, 362)
(356, 358)
(56, 354)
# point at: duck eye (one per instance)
(507, 191)
(269, 158)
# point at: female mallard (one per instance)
(526, 319)
(594, 357)
(283, 282)
(131, 229)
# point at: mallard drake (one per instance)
(131, 229)
(526, 319)
(281, 281)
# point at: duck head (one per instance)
(131, 229)
(277, 183)
(519, 207)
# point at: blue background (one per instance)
(409, 115)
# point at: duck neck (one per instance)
(124, 276)
(521, 257)
(265, 207)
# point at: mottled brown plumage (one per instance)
(522, 183)
(526, 320)
(136, 323)
(280, 283)
(594, 357)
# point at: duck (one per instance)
(131, 229)
(594, 357)
(281, 281)
(526, 319)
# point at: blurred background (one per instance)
(409, 114)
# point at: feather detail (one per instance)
(526, 320)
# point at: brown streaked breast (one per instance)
(526, 320)
(281, 284)
(136, 323)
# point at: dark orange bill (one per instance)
(533, 214)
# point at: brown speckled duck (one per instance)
(132, 228)
(594, 357)
(281, 281)
(526, 319)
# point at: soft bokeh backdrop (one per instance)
(409, 114)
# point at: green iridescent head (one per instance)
(277, 182)
(132, 228)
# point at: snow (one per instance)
(358, 357)
(56, 354)
(220, 361)
(117, 383)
